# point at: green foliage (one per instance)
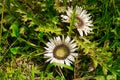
(27, 25)
(14, 50)
(14, 28)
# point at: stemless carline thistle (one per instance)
(61, 50)
(82, 22)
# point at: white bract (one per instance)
(61, 50)
(82, 22)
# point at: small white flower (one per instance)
(82, 22)
(61, 50)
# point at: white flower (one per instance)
(61, 50)
(82, 22)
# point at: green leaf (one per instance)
(14, 50)
(14, 27)
(61, 65)
(111, 77)
(33, 73)
(41, 76)
(99, 78)
(0, 49)
(60, 78)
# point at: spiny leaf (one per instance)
(48, 29)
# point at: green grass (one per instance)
(27, 25)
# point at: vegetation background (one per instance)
(27, 25)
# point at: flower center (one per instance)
(79, 23)
(61, 52)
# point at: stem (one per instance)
(72, 22)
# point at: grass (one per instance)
(27, 25)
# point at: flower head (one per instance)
(61, 50)
(82, 22)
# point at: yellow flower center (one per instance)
(61, 52)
